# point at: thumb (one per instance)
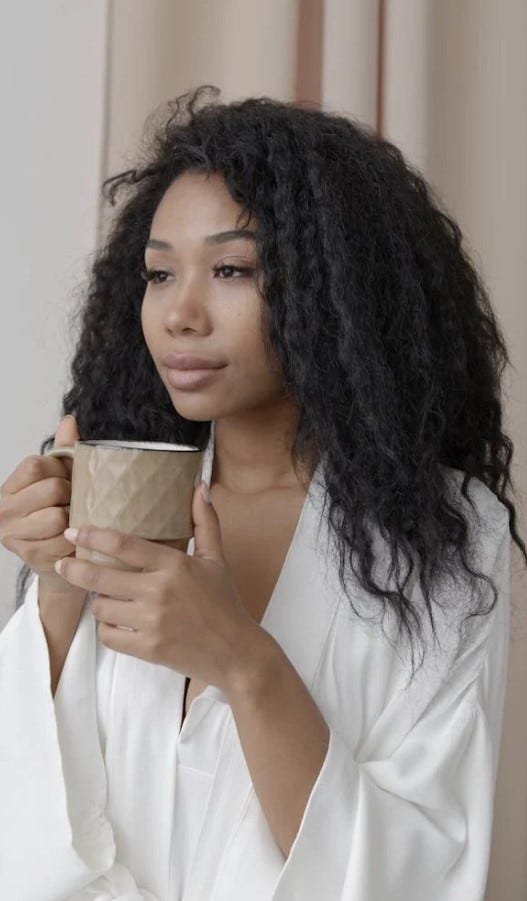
(207, 531)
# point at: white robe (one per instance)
(102, 798)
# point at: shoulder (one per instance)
(488, 553)
(487, 515)
(488, 545)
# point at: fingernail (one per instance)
(58, 565)
(205, 492)
(71, 535)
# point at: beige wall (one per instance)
(52, 96)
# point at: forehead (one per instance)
(196, 202)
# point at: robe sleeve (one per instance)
(56, 843)
(416, 822)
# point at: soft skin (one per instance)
(193, 306)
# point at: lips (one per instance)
(190, 379)
(189, 361)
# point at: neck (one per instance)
(252, 451)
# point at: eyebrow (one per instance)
(218, 238)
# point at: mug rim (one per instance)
(139, 445)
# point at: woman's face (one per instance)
(201, 301)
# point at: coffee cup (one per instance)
(141, 488)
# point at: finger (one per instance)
(105, 579)
(47, 523)
(29, 470)
(122, 640)
(116, 612)
(48, 492)
(138, 552)
(48, 548)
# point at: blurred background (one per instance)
(445, 80)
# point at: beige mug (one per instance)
(142, 488)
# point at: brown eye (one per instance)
(153, 275)
(243, 270)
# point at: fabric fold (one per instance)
(54, 836)
(417, 822)
(398, 828)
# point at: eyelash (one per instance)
(150, 275)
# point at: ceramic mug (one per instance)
(142, 488)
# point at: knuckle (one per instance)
(33, 467)
(59, 518)
(91, 577)
(117, 542)
(85, 535)
(56, 487)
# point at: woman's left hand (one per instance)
(185, 610)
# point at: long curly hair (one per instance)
(382, 325)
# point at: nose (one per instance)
(186, 308)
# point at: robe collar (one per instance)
(299, 616)
(297, 611)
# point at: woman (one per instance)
(290, 747)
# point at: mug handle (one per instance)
(67, 451)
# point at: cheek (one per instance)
(146, 325)
(253, 357)
(246, 339)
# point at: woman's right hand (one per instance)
(34, 509)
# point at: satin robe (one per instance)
(102, 798)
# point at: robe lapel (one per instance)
(299, 616)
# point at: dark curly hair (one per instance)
(383, 328)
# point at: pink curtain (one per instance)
(445, 81)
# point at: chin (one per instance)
(196, 412)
